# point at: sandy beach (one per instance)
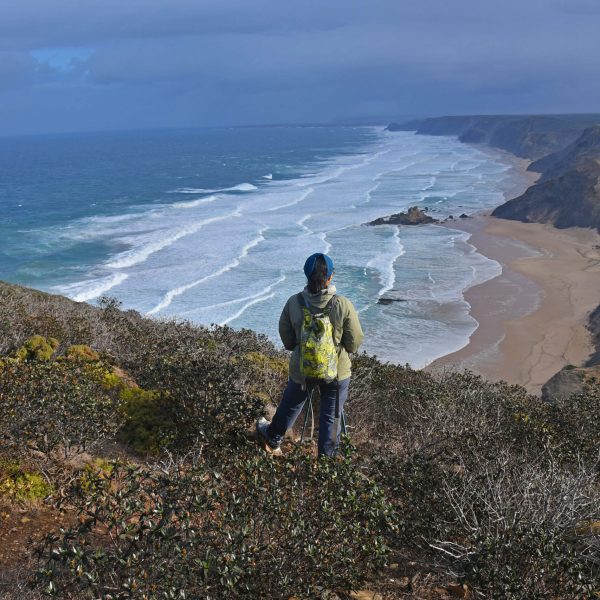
(532, 318)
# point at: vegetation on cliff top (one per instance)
(132, 433)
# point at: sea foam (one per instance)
(171, 294)
(241, 187)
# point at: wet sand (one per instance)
(532, 318)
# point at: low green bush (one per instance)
(528, 562)
(55, 406)
(37, 348)
(22, 485)
(253, 528)
(204, 398)
(149, 425)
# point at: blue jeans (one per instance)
(291, 406)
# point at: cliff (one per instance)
(565, 149)
(571, 199)
(525, 136)
(568, 193)
(585, 148)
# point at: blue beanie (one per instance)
(311, 261)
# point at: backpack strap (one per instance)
(331, 304)
(302, 300)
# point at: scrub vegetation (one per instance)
(127, 471)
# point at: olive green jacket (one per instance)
(347, 332)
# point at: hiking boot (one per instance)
(262, 426)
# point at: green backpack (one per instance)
(318, 352)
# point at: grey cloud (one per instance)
(16, 68)
(196, 62)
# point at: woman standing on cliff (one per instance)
(318, 302)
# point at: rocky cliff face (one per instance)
(584, 148)
(594, 327)
(568, 193)
(566, 151)
(526, 136)
(569, 200)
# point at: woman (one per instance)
(319, 296)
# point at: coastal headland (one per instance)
(537, 317)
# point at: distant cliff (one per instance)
(525, 136)
(565, 149)
(568, 193)
(585, 148)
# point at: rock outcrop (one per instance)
(594, 327)
(569, 200)
(567, 382)
(571, 380)
(414, 216)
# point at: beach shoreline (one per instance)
(532, 318)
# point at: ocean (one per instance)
(213, 225)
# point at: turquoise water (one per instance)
(214, 225)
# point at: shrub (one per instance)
(82, 352)
(149, 425)
(203, 397)
(495, 488)
(55, 405)
(254, 528)
(37, 348)
(528, 562)
(267, 374)
(19, 484)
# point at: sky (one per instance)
(85, 65)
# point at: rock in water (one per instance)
(414, 216)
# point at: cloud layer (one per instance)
(72, 65)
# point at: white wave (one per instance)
(194, 203)
(384, 263)
(262, 292)
(88, 290)
(190, 191)
(300, 223)
(269, 176)
(336, 172)
(171, 294)
(139, 255)
(263, 295)
(328, 246)
(102, 220)
(369, 193)
(432, 181)
(244, 308)
(241, 187)
(302, 196)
